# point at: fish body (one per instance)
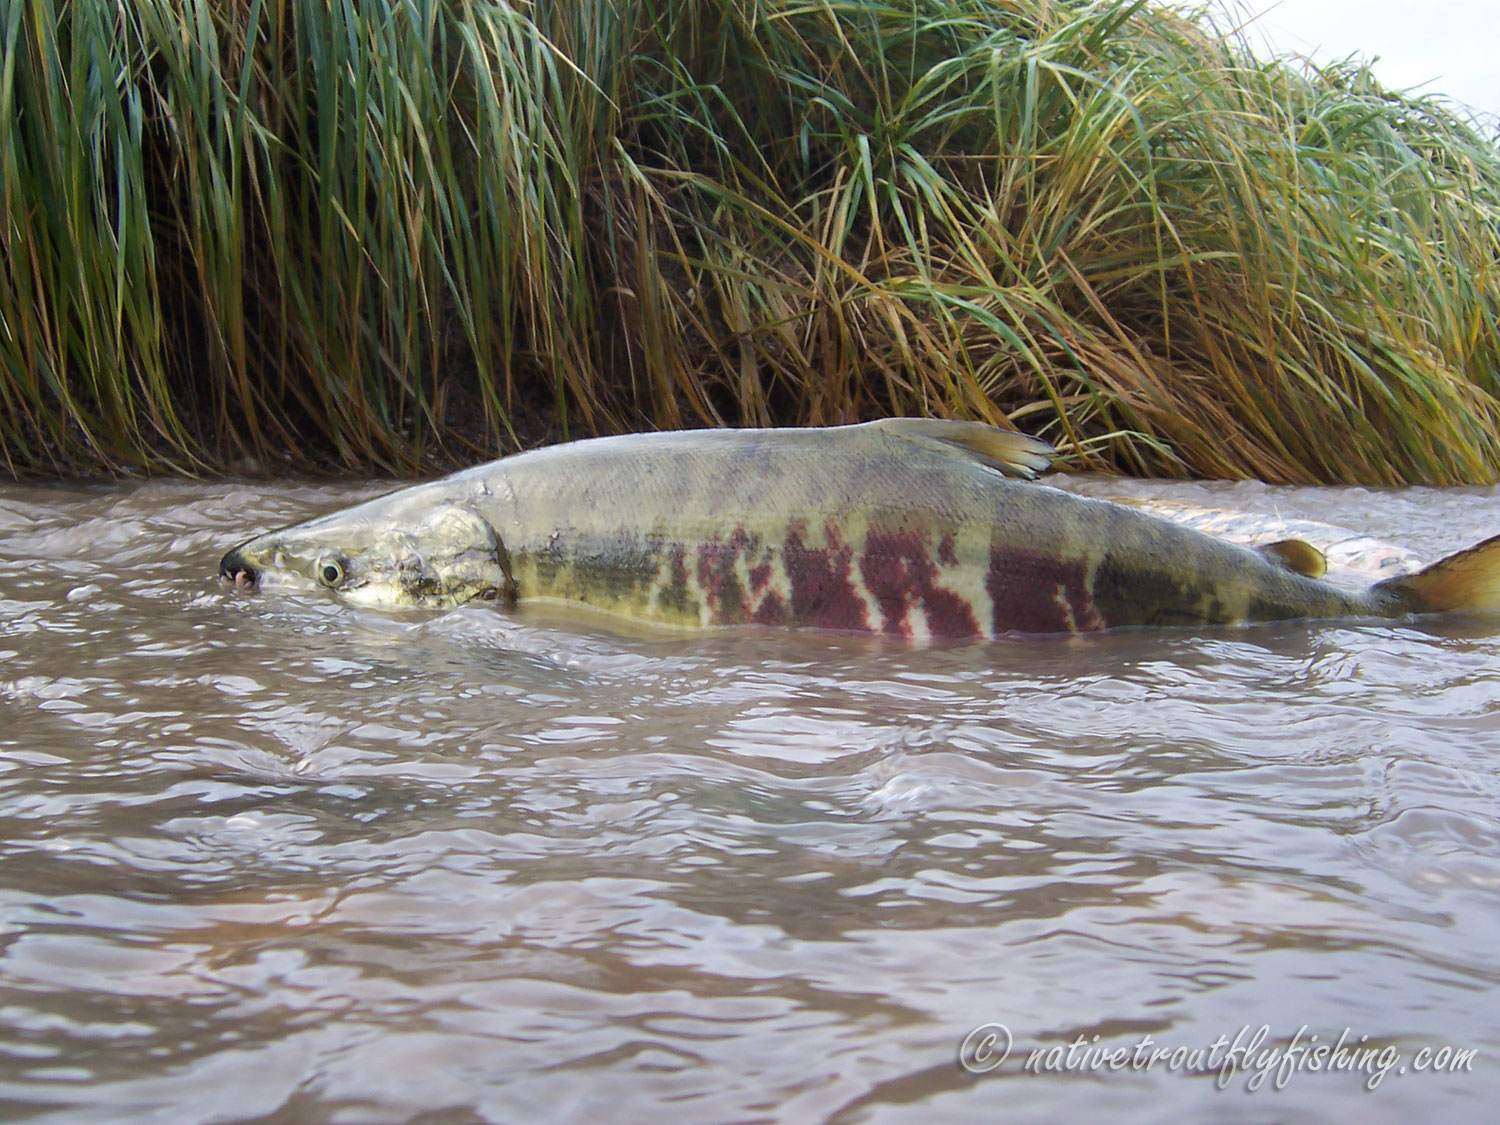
(1353, 560)
(910, 528)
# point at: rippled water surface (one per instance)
(266, 858)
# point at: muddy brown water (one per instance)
(271, 859)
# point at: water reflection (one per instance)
(282, 857)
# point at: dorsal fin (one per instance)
(1297, 555)
(1012, 453)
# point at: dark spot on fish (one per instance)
(1036, 593)
(947, 553)
(417, 580)
(1143, 595)
(772, 610)
(1261, 609)
(619, 567)
(551, 558)
(674, 595)
(900, 574)
(1310, 601)
(823, 593)
(720, 580)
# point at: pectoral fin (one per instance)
(1012, 453)
(1297, 555)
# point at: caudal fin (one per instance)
(1467, 580)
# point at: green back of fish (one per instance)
(913, 530)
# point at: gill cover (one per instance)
(452, 555)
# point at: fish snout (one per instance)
(235, 570)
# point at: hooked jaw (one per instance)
(262, 563)
(236, 570)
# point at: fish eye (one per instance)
(330, 573)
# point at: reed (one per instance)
(397, 234)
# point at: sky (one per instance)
(1448, 47)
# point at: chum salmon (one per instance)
(907, 527)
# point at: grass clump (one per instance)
(389, 235)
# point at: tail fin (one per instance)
(1466, 580)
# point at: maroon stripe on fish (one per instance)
(771, 610)
(822, 582)
(728, 601)
(900, 574)
(1034, 593)
(674, 595)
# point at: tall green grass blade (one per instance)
(398, 234)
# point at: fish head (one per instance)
(415, 552)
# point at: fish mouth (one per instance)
(235, 571)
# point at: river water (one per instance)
(269, 859)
